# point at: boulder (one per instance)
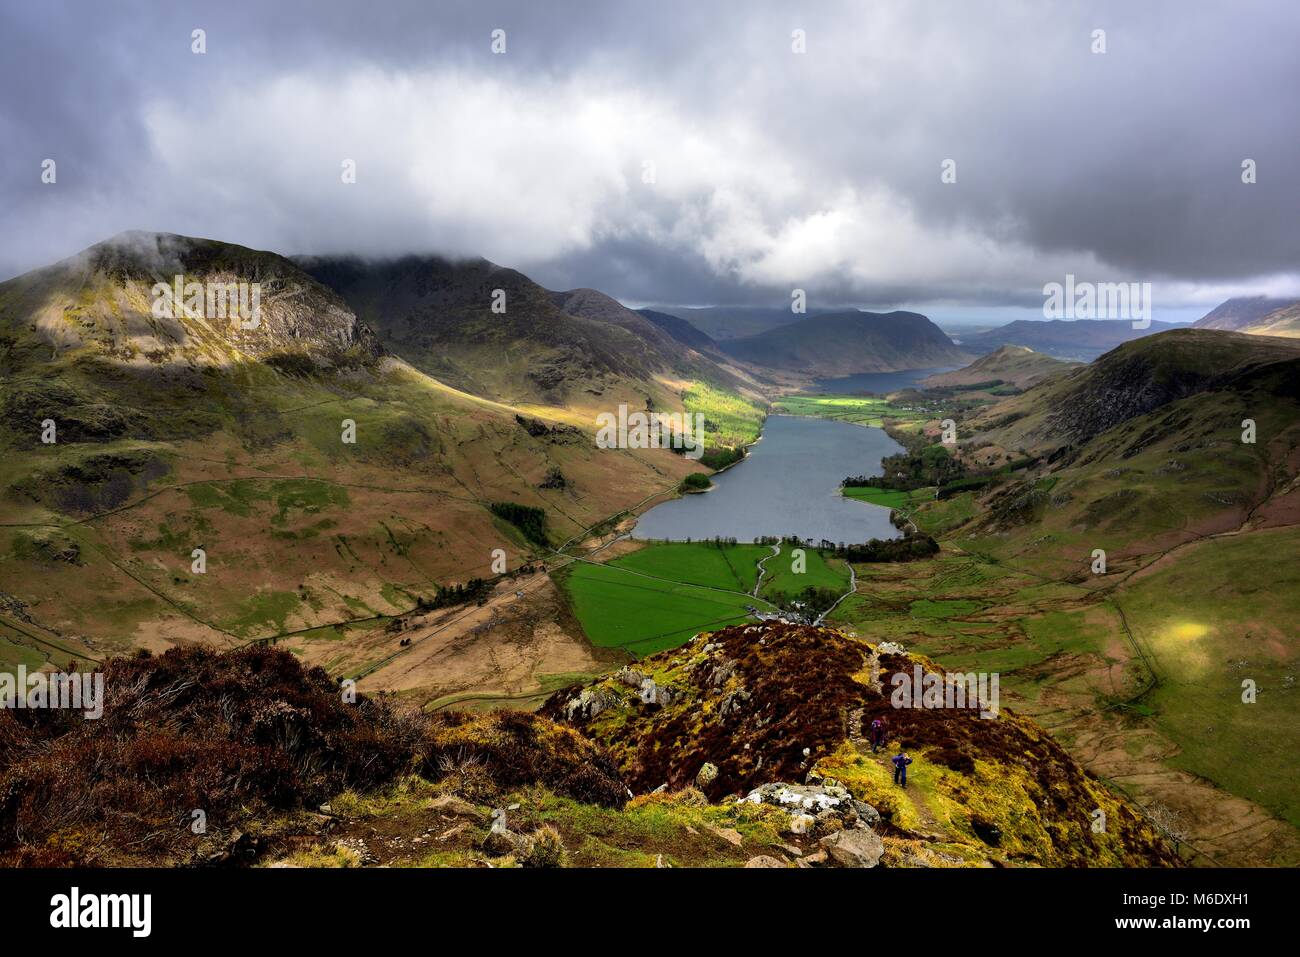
(707, 774)
(505, 841)
(585, 705)
(631, 677)
(866, 813)
(855, 848)
(763, 860)
(728, 834)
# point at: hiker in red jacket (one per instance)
(877, 734)
(901, 761)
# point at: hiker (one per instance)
(877, 734)
(901, 761)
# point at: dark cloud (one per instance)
(773, 170)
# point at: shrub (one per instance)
(548, 849)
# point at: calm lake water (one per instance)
(877, 381)
(788, 485)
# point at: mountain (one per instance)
(1141, 377)
(1080, 340)
(170, 477)
(844, 343)
(1017, 366)
(438, 315)
(1256, 315)
(100, 303)
(682, 357)
(681, 330)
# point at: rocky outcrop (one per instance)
(753, 710)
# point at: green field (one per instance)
(665, 593)
(620, 608)
(733, 567)
(819, 572)
(858, 409)
(888, 497)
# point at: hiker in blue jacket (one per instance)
(901, 761)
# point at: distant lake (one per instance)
(788, 485)
(877, 381)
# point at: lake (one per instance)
(879, 382)
(787, 485)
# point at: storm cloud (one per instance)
(768, 169)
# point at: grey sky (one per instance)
(771, 169)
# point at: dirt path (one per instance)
(937, 830)
(853, 590)
(762, 568)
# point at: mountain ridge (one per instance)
(1073, 339)
(844, 343)
(1255, 315)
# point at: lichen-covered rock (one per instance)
(812, 798)
(706, 775)
(866, 813)
(585, 705)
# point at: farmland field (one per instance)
(620, 608)
(819, 572)
(732, 567)
(860, 410)
(665, 593)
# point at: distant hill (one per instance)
(732, 322)
(1255, 315)
(681, 330)
(844, 343)
(1018, 366)
(1080, 340)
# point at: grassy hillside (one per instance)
(1139, 670)
(1015, 366)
